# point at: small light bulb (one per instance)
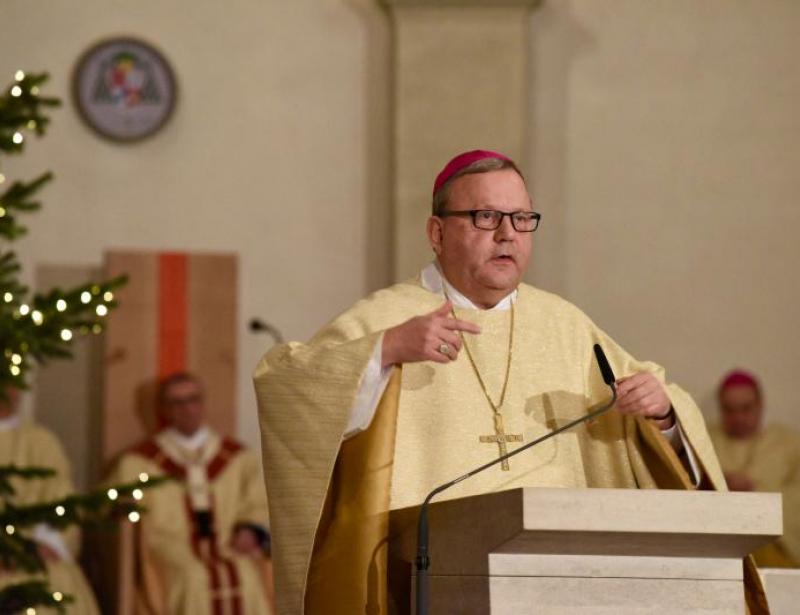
(112, 494)
(8, 297)
(66, 335)
(95, 289)
(31, 125)
(108, 296)
(15, 371)
(137, 494)
(86, 296)
(19, 75)
(16, 91)
(16, 359)
(37, 317)
(58, 596)
(17, 138)
(61, 305)
(2, 212)
(35, 90)
(2, 178)
(134, 516)
(24, 309)
(30, 611)
(96, 329)
(101, 310)
(143, 477)
(10, 530)
(61, 511)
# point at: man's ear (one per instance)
(435, 232)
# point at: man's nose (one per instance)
(506, 229)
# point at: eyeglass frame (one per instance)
(473, 213)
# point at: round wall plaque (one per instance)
(124, 89)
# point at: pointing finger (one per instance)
(461, 325)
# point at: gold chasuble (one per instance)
(772, 460)
(29, 445)
(329, 500)
(189, 522)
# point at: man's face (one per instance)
(483, 265)
(740, 407)
(184, 408)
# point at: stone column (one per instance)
(460, 82)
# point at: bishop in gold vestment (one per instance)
(759, 457)
(452, 369)
(26, 444)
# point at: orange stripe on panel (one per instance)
(172, 313)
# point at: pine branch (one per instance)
(21, 108)
(17, 198)
(12, 471)
(16, 598)
(18, 551)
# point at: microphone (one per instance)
(423, 561)
(257, 325)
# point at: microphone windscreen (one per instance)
(605, 368)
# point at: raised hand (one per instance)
(431, 337)
(642, 394)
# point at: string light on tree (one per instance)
(24, 309)
(137, 494)
(143, 477)
(66, 335)
(134, 516)
(61, 305)
(58, 596)
(112, 494)
(61, 511)
(37, 317)
(101, 310)
(19, 75)
(18, 138)
(108, 296)
(16, 91)
(86, 296)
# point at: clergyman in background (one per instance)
(759, 456)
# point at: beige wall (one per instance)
(665, 138)
(661, 151)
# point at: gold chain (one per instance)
(495, 407)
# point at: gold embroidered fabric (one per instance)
(306, 391)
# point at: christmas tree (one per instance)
(35, 327)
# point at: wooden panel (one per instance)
(130, 356)
(212, 289)
(178, 313)
(67, 393)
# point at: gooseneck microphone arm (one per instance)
(423, 561)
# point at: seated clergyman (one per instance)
(759, 457)
(26, 444)
(434, 376)
(207, 529)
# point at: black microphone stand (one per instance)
(423, 561)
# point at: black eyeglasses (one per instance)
(491, 219)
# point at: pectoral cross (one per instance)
(500, 438)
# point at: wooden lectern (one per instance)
(568, 551)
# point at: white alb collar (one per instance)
(433, 280)
(190, 443)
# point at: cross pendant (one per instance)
(500, 438)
